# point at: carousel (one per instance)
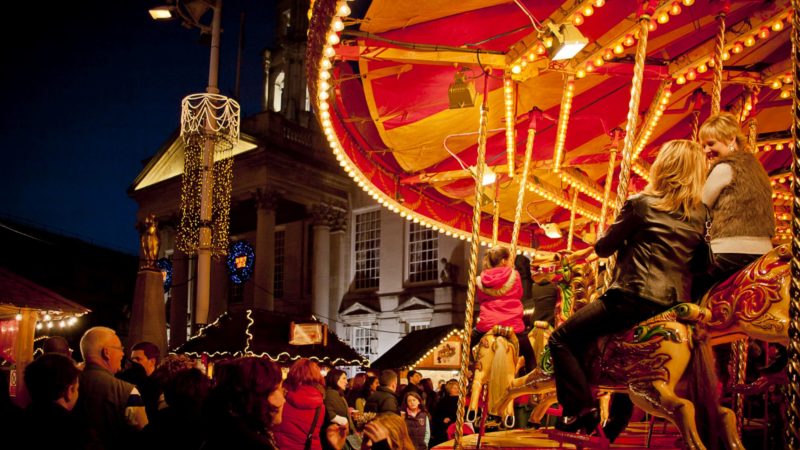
(528, 123)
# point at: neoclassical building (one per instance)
(322, 246)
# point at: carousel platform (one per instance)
(635, 436)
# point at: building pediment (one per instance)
(358, 308)
(414, 303)
(168, 163)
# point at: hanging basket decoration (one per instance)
(165, 266)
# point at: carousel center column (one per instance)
(322, 215)
(264, 293)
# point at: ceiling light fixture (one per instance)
(567, 41)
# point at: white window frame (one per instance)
(363, 330)
(407, 255)
(354, 267)
(277, 91)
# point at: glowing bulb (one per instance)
(691, 74)
(749, 41)
(737, 48)
(580, 73)
(577, 20)
(588, 10)
(786, 94)
(337, 24)
(49, 325)
(763, 33)
(629, 40)
(726, 55)
(787, 78)
(599, 3)
(777, 26)
(38, 326)
(516, 68)
(329, 51)
(342, 10)
(589, 67)
(326, 64)
(652, 25)
(47, 317)
(681, 79)
(333, 39)
(608, 55)
(599, 61)
(675, 8)
(702, 68)
(18, 317)
(663, 18)
(688, 2)
(619, 49)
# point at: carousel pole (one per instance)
(615, 134)
(536, 113)
(496, 214)
(633, 116)
(473, 264)
(572, 218)
(716, 86)
(793, 421)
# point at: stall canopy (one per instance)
(18, 293)
(417, 346)
(266, 333)
(398, 88)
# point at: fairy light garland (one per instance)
(627, 39)
(737, 43)
(581, 183)
(784, 82)
(511, 131)
(555, 195)
(563, 122)
(454, 332)
(653, 117)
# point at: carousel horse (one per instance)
(649, 361)
(496, 355)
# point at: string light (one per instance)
(454, 332)
(555, 195)
(563, 120)
(511, 132)
(652, 118)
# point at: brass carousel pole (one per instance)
(572, 218)
(473, 265)
(536, 113)
(793, 421)
(615, 134)
(630, 126)
(716, 86)
(496, 213)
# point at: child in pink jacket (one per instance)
(499, 293)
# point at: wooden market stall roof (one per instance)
(255, 332)
(414, 346)
(17, 292)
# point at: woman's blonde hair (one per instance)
(495, 256)
(677, 177)
(723, 127)
(395, 425)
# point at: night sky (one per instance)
(91, 89)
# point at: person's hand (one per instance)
(375, 432)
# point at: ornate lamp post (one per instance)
(210, 130)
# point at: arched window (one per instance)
(277, 92)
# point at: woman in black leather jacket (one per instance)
(654, 236)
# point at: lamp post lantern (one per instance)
(210, 130)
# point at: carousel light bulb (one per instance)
(599, 61)
(580, 73)
(681, 79)
(577, 20)
(531, 56)
(652, 25)
(540, 49)
(675, 8)
(779, 147)
(619, 49)
(599, 3)
(608, 55)
(688, 2)
(777, 26)
(749, 41)
(516, 68)
(726, 55)
(629, 40)
(47, 317)
(18, 317)
(589, 67)
(786, 94)
(702, 68)
(324, 85)
(49, 325)
(337, 24)
(763, 33)
(326, 64)
(588, 10)
(663, 18)
(787, 78)
(324, 75)
(737, 48)
(329, 51)
(333, 38)
(342, 10)
(323, 95)
(39, 326)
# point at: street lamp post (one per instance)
(210, 121)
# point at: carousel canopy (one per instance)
(399, 88)
(266, 333)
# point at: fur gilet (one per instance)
(744, 207)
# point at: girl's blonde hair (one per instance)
(395, 425)
(677, 177)
(495, 256)
(723, 127)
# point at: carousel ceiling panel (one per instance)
(391, 126)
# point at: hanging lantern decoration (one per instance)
(240, 262)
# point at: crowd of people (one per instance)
(247, 403)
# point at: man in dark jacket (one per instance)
(383, 399)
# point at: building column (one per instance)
(264, 276)
(321, 261)
(338, 265)
(179, 304)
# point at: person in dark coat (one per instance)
(337, 413)
(177, 425)
(445, 414)
(383, 400)
(52, 382)
(417, 420)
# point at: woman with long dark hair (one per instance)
(337, 425)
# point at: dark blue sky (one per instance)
(90, 90)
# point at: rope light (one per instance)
(563, 121)
(453, 332)
(555, 195)
(654, 114)
(511, 131)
